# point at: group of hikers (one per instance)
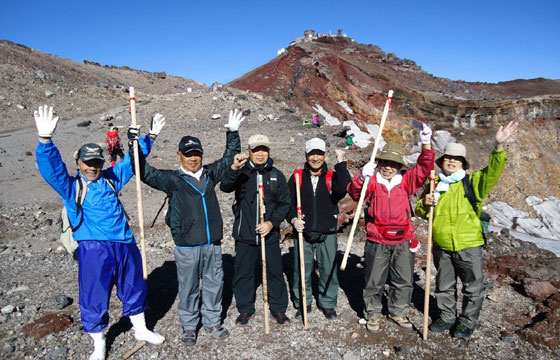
(108, 255)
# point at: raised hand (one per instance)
(340, 155)
(426, 135)
(158, 122)
(44, 121)
(505, 132)
(368, 169)
(235, 119)
(239, 160)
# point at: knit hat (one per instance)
(190, 143)
(393, 152)
(315, 144)
(90, 151)
(258, 140)
(454, 149)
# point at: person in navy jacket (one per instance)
(107, 252)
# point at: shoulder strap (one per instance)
(469, 193)
(328, 180)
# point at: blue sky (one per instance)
(493, 40)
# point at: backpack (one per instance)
(328, 178)
(484, 216)
(113, 141)
(66, 228)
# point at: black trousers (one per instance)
(247, 257)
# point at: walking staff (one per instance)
(366, 181)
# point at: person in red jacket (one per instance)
(390, 245)
(114, 145)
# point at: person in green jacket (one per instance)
(457, 233)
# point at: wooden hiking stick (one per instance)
(428, 260)
(138, 187)
(303, 302)
(358, 211)
(262, 210)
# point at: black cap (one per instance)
(190, 143)
(90, 152)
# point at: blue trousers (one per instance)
(103, 264)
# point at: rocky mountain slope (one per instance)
(520, 317)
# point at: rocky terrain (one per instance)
(38, 284)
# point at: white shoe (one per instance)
(99, 347)
(141, 333)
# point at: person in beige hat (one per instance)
(249, 232)
(457, 233)
(321, 190)
(391, 241)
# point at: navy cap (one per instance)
(189, 143)
(90, 152)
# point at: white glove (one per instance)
(368, 170)
(299, 224)
(426, 135)
(158, 122)
(235, 119)
(44, 121)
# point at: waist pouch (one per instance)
(314, 237)
(392, 232)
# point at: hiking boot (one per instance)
(218, 332)
(243, 319)
(299, 313)
(280, 318)
(402, 321)
(463, 332)
(330, 313)
(372, 325)
(189, 337)
(440, 326)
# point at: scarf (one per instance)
(444, 181)
(195, 175)
(389, 184)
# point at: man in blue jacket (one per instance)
(107, 252)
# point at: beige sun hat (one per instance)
(393, 152)
(315, 144)
(454, 149)
(258, 140)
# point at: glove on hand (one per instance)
(368, 169)
(235, 119)
(299, 224)
(426, 135)
(133, 133)
(44, 121)
(158, 122)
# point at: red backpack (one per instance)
(328, 178)
(112, 140)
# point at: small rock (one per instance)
(49, 94)
(386, 353)
(350, 356)
(84, 123)
(362, 321)
(401, 350)
(8, 309)
(539, 290)
(515, 244)
(101, 84)
(39, 74)
(8, 348)
(62, 301)
(246, 112)
(20, 106)
(17, 289)
(504, 231)
(241, 97)
(216, 116)
(261, 117)
(355, 335)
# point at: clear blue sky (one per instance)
(472, 40)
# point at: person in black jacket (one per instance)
(321, 190)
(248, 231)
(196, 227)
